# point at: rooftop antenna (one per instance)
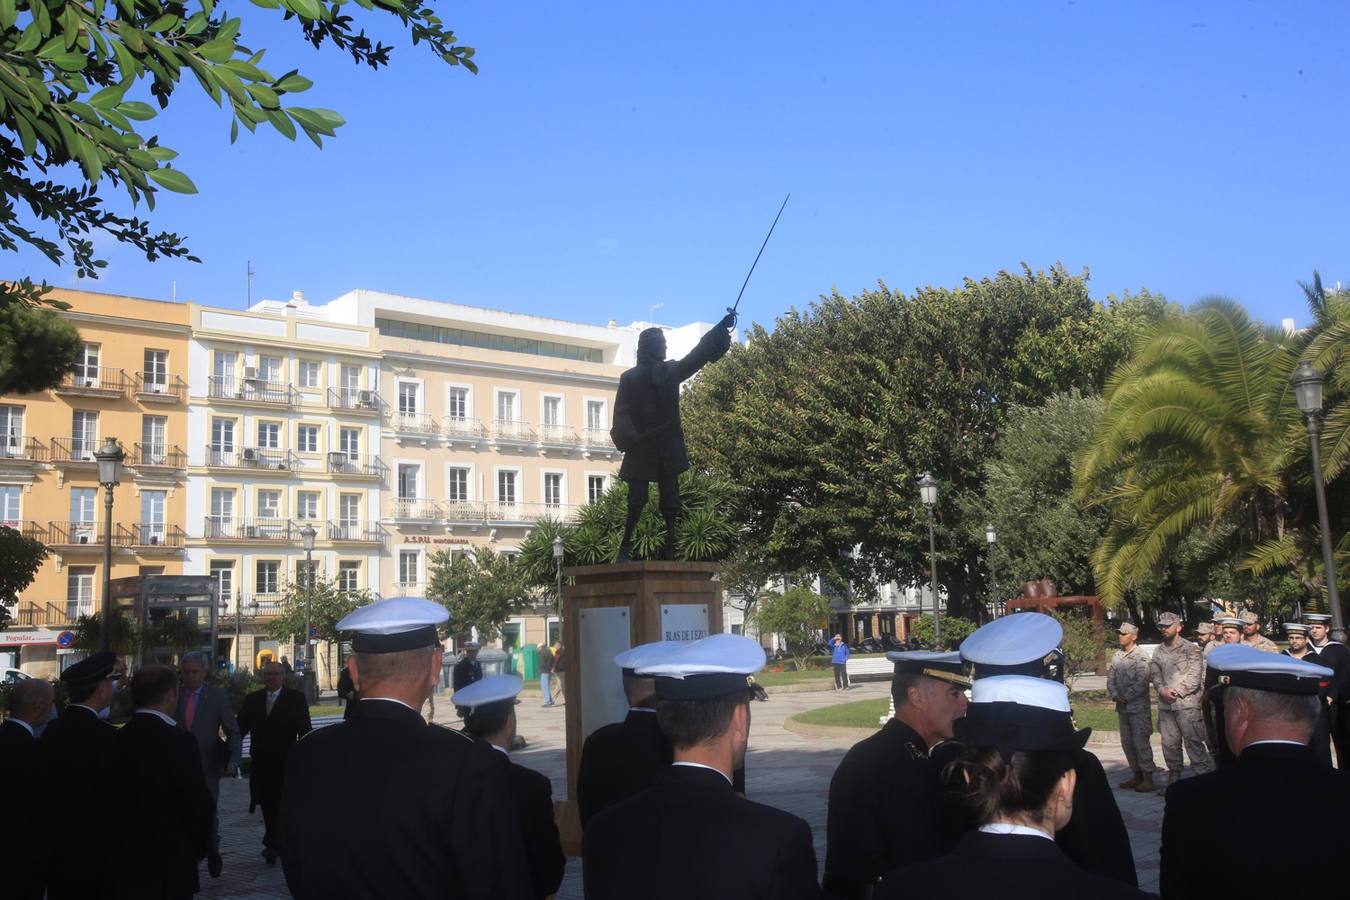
(651, 313)
(248, 278)
(173, 290)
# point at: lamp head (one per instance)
(1307, 383)
(109, 458)
(990, 535)
(928, 489)
(558, 547)
(307, 535)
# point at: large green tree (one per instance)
(20, 559)
(823, 424)
(325, 603)
(798, 615)
(481, 590)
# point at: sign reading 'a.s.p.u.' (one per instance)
(684, 621)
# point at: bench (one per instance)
(871, 668)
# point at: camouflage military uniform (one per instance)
(1260, 642)
(1180, 721)
(1127, 678)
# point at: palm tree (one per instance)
(1200, 425)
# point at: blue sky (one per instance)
(612, 156)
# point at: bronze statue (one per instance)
(647, 424)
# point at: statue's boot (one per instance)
(623, 550)
(670, 538)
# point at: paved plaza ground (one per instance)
(784, 769)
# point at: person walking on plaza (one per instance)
(468, 669)
(1276, 792)
(386, 804)
(77, 751)
(1335, 657)
(276, 717)
(204, 711)
(560, 669)
(880, 812)
(1127, 685)
(30, 705)
(1252, 636)
(545, 656)
(1016, 777)
(1175, 672)
(690, 835)
(163, 812)
(839, 662)
(488, 708)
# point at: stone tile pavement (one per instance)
(784, 769)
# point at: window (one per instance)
(222, 503)
(269, 504)
(79, 590)
(349, 510)
(309, 373)
(553, 410)
(349, 575)
(506, 487)
(269, 435)
(458, 485)
(409, 563)
(349, 442)
(83, 434)
(506, 406)
(351, 380)
(307, 438)
(409, 474)
(407, 397)
(152, 516)
(595, 488)
(595, 415)
(553, 488)
(154, 439)
(86, 365)
(269, 368)
(457, 403)
(155, 371)
(225, 365)
(11, 430)
(9, 504)
(267, 577)
(82, 504)
(222, 435)
(223, 573)
(307, 505)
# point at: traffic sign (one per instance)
(65, 640)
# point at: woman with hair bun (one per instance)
(1016, 780)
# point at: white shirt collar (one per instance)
(1009, 828)
(502, 750)
(390, 700)
(1274, 741)
(641, 709)
(84, 706)
(18, 721)
(694, 765)
(272, 695)
(168, 720)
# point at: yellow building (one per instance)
(129, 384)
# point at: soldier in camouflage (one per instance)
(1175, 671)
(1127, 684)
(1252, 636)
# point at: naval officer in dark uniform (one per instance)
(387, 805)
(1300, 647)
(689, 835)
(1028, 644)
(881, 796)
(1276, 788)
(488, 708)
(468, 669)
(1336, 657)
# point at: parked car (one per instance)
(13, 676)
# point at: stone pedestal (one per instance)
(607, 609)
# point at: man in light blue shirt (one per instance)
(839, 660)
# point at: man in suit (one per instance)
(164, 810)
(30, 704)
(204, 711)
(77, 750)
(277, 717)
(468, 669)
(1276, 787)
(488, 708)
(690, 835)
(387, 805)
(881, 797)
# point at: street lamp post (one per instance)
(109, 458)
(1307, 383)
(307, 540)
(991, 538)
(928, 493)
(558, 549)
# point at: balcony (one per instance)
(462, 430)
(354, 400)
(597, 440)
(414, 427)
(74, 450)
(558, 437)
(26, 528)
(253, 458)
(416, 510)
(14, 448)
(254, 606)
(40, 614)
(157, 456)
(347, 466)
(355, 533)
(252, 390)
(156, 387)
(152, 537)
(229, 528)
(73, 536)
(512, 433)
(94, 381)
(410, 588)
(476, 513)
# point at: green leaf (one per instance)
(247, 70)
(115, 119)
(234, 131)
(196, 24)
(162, 154)
(173, 180)
(281, 122)
(70, 62)
(309, 9)
(110, 96)
(135, 109)
(7, 14)
(294, 83)
(267, 4)
(26, 136)
(29, 40)
(218, 49)
(231, 83)
(208, 6)
(164, 23)
(266, 97)
(126, 63)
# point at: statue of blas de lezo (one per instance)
(647, 424)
